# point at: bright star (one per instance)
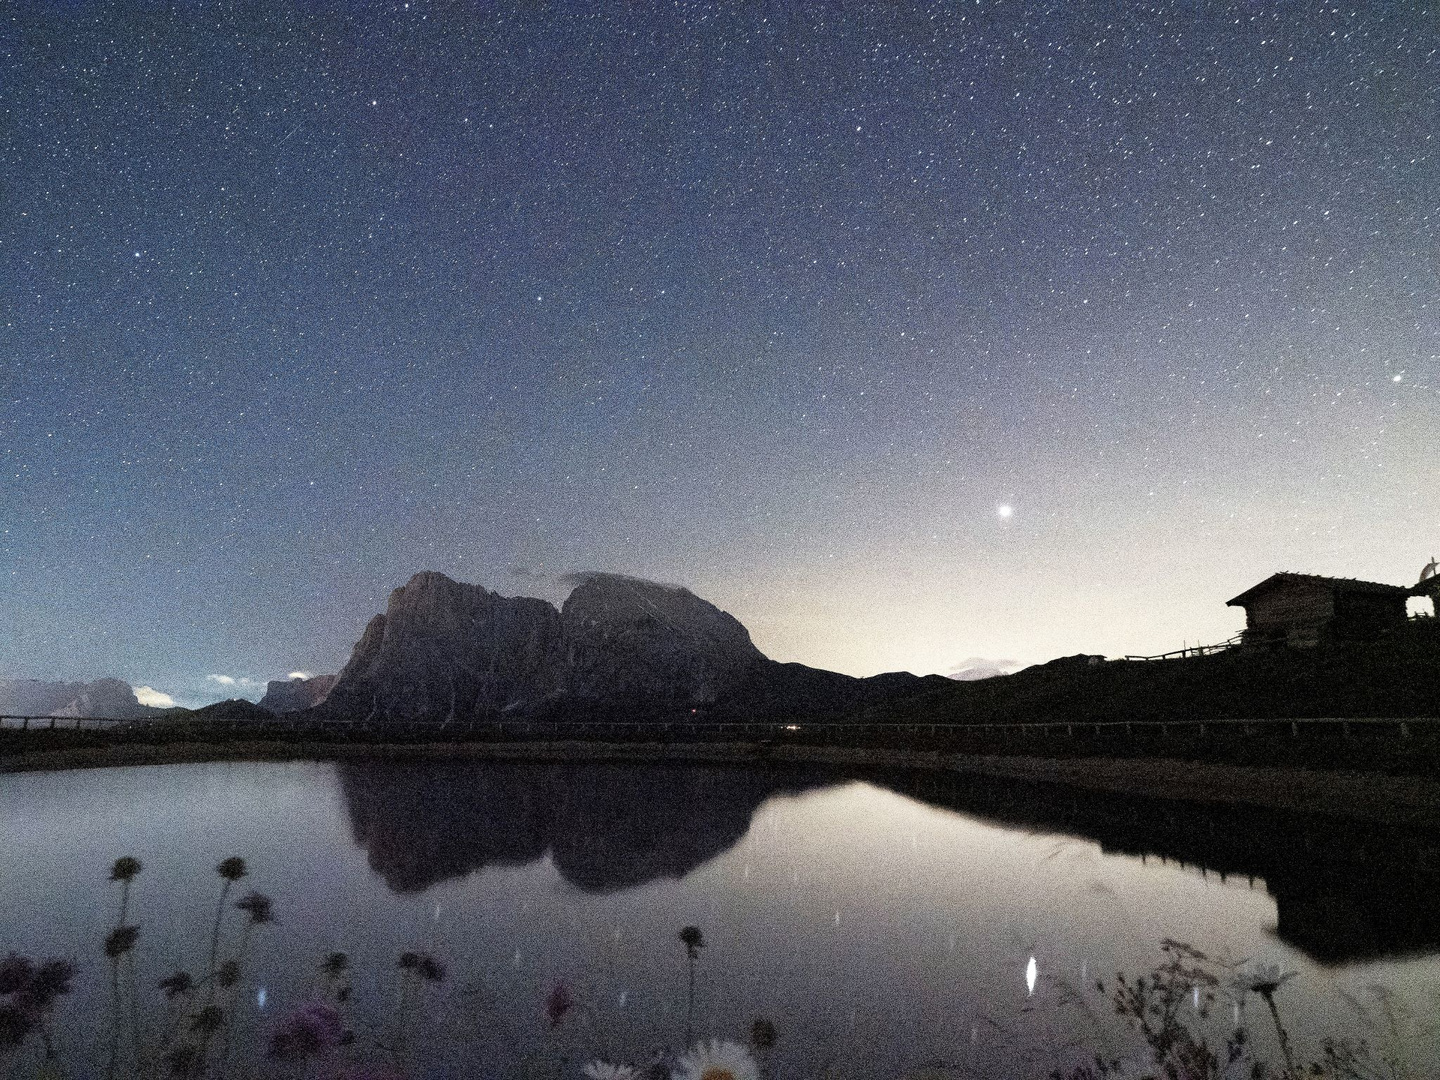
(1005, 510)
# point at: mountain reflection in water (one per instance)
(1344, 891)
(606, 826)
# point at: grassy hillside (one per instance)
(1397, 676)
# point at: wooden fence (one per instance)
(822, 732)
(1192, 650)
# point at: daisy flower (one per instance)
(603, 1070)
(1262, 979)
(719, 1059)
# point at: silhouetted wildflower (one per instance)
(693, 939)
(227, 974)
(232, 869)
(208, 1020)
(1265, 979)
(409, 961)
(763, 1034)
(125, 868)
(182, 1058)
(121, 940)
(1262, 979)
(177, 984)
(52, 979)
(558, 1003)
(258, 906)
(309, 1031)
(335, 965)
(430, 969)
(16, 973)
(15, 1024)
(32, 989)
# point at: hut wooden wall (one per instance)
(1289, 604)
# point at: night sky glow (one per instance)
(905, 333)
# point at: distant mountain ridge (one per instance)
(295, 694)
(619, 646)
(111, 698)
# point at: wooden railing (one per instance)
(1192, 650)
(741, 731)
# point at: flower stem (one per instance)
(1281, 1034)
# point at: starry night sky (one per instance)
(780, 301)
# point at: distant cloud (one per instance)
(231, 680)
(980, 667)
(148, 695)
(580, 577)
(529, 573)
(299, 675)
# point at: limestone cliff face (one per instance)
(446, 650)
(293, 695)
(627, 638)
(112, 698)
(621, 648)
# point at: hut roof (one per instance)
(1336, 584)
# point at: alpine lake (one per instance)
(881, 925)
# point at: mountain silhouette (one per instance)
(619, 647)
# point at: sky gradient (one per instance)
(782, 302)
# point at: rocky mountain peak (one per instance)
(632, 639)
(620, 646)
(445, 649)
(615, 606)
(293, 695)
(112, 698)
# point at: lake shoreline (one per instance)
(1351, 795)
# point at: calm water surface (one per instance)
(883, 933)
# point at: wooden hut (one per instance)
(1303, 609)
